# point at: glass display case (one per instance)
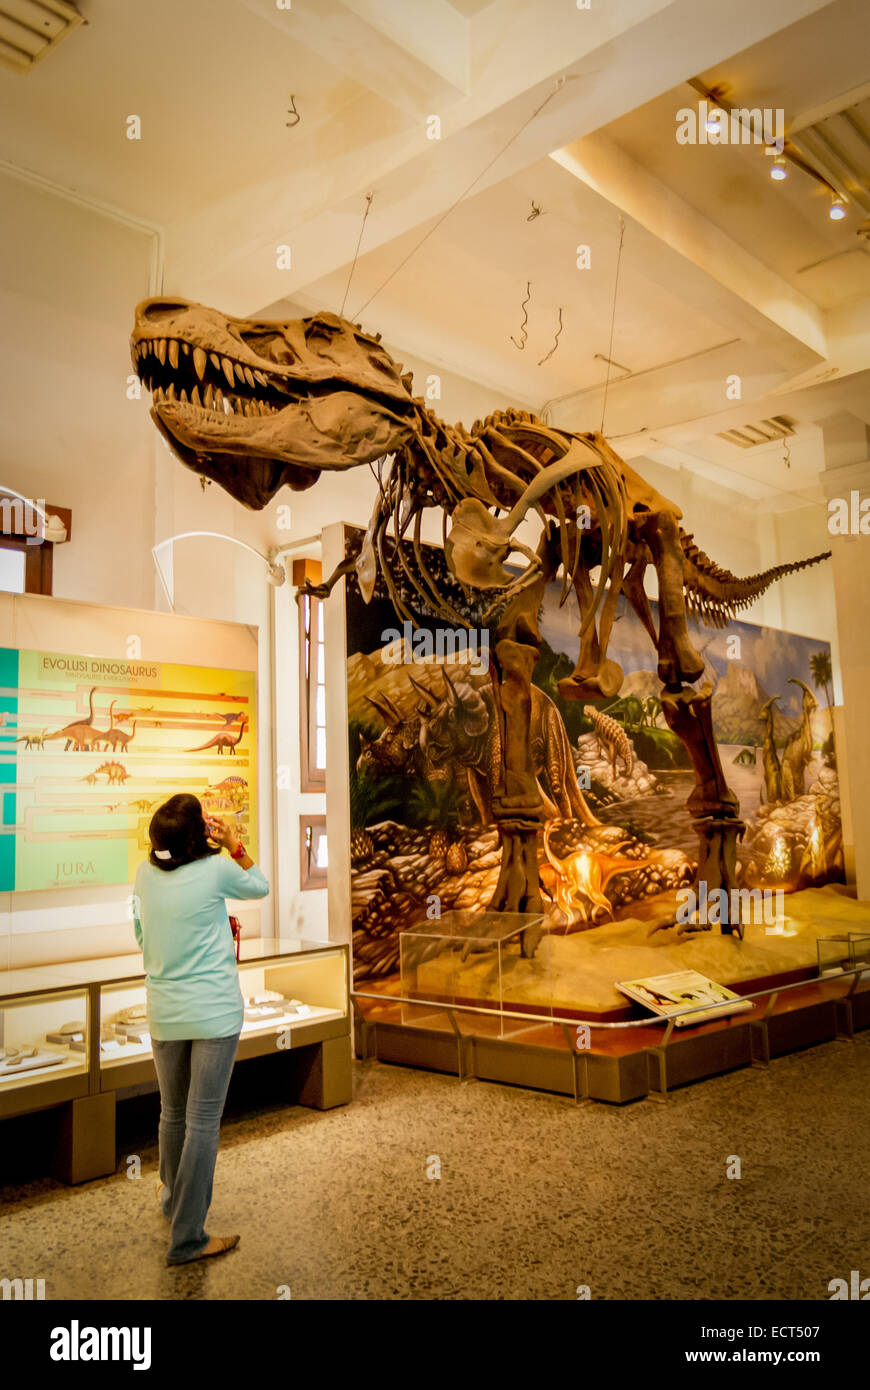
(294, 996)
(43, 1047)
(488, 960)
(846, 952)
(75, 1037)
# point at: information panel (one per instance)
(91, 746)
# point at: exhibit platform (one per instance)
(589, 1041)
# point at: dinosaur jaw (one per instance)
(257, 405)
(289, 445)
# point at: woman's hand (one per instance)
(222, 833)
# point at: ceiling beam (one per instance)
(601, 165)
(621, 56)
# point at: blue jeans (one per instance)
(193, 1076)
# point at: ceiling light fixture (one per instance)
(713, 120)
(837, 210)
(778, 170)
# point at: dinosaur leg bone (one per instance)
(679, 663)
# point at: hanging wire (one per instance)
(556, 341)
(612, 319)
(464, 194)
(522, 345)
(369, 198)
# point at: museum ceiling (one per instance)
(263, 127)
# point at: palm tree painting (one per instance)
(823, 679)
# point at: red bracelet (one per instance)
(239, 853)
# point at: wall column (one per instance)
(847, 471)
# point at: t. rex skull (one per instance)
(257, 404)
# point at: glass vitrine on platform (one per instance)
(493, 961)
(43, 1047)
(848, 951)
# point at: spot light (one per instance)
(712, 121)
(837, 210)
(778, 169)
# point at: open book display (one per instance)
(684, 989)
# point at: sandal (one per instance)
(222, 1244)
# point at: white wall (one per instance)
(70, 277)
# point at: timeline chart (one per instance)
(91, 746)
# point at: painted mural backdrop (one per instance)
(90, 747)
(420, 732)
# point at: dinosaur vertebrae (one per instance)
(611, 736)
(714, 594)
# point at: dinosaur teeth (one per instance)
(228, 371)
(170, 393)
(199, 362)
(249, 376)
(208, 398)
(183, 396)
(195, 398)
(261, 377)
(185, 348)
(173, 351)
(215, 361)
(161, 350)
(219, 400)
(157, 395)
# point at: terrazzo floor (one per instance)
(535, 1196)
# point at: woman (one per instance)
(195, 1006)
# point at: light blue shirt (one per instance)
(181, 922)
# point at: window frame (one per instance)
(311, 777)
(38, 555)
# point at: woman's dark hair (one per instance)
(178, 830)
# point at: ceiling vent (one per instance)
(765, 432)
(31, 28)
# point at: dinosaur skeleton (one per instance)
(256, 405)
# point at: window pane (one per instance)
(320, 752)
(319, 621)
(12, 570)
(321, 664)
(321, 854)
(320, 707)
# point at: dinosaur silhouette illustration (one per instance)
(114, 737)
(81, 734)
(115, 773)
(34, 739)
(224, 741)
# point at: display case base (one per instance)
(619, 1066)
(86, 1139)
